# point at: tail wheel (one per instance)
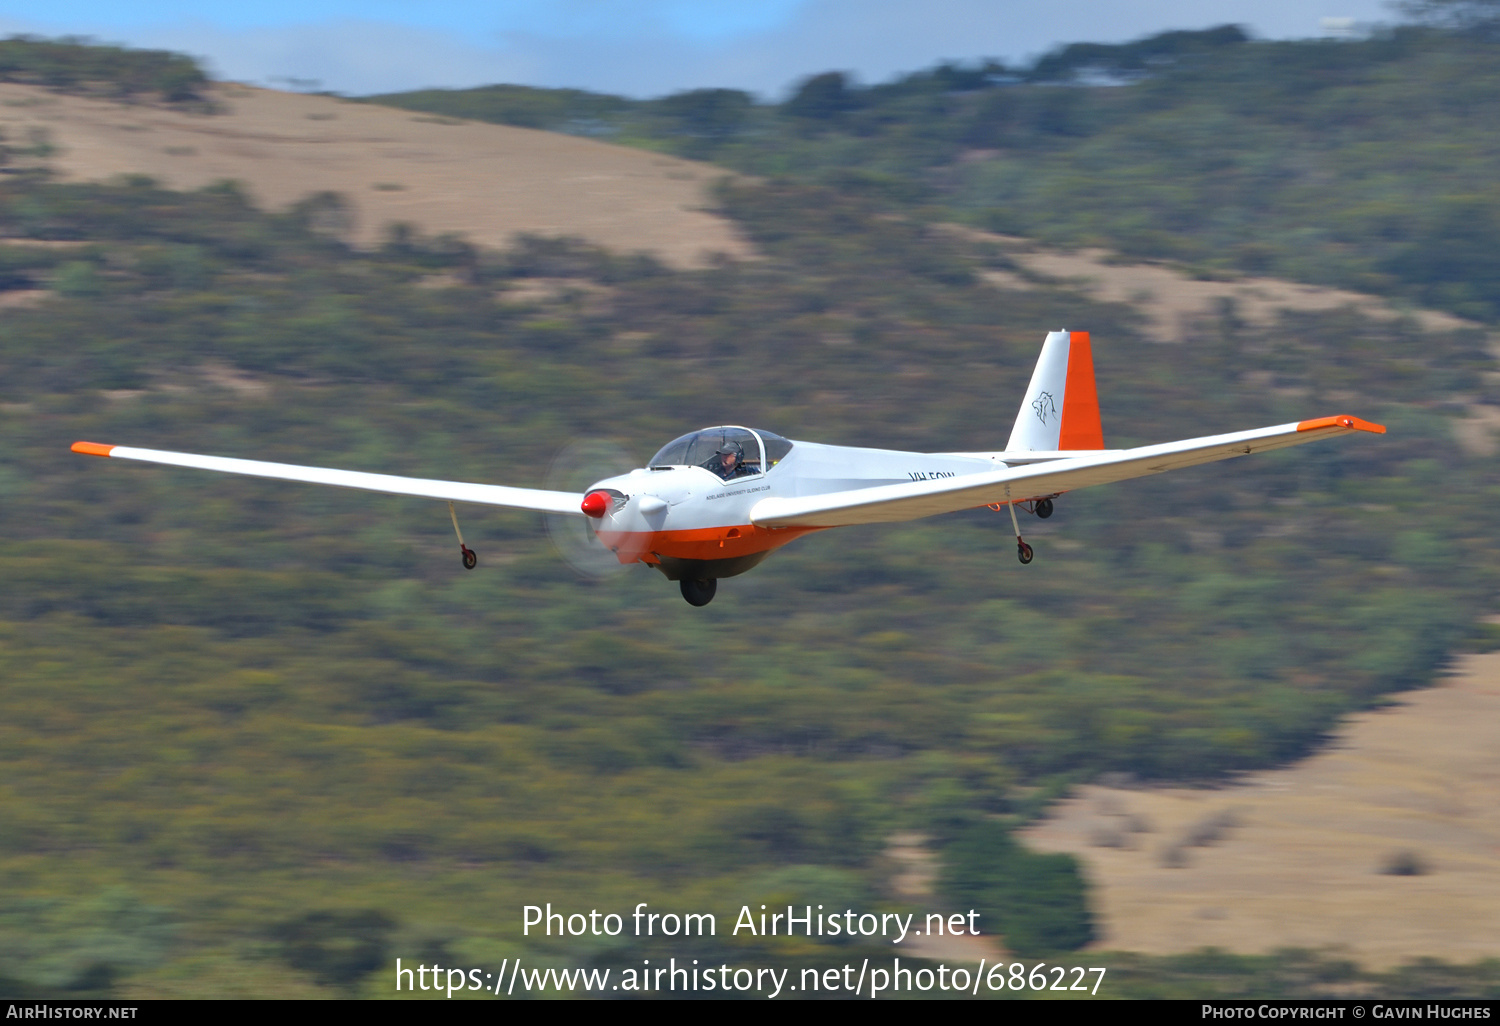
(698, 593)
(471, 558)
(1043, 510)
(1023, 552)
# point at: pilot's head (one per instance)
(730, 455)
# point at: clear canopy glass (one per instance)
(729, 451)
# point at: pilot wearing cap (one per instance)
(729, 462)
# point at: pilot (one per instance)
(729, 461)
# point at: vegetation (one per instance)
(1364, 164)
(1038, 903)
(1479, 17)
(272, 736)
(82, 66)
(568, 110)
(274, 710)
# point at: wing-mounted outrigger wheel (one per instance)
(470, 557)
(1023, 551)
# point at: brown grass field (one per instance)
(485, 182)
(1173, 300)
(1302, 856)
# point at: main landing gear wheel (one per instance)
(1043, 510)
(698, 593)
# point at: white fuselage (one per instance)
(691, 513)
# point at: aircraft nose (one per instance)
(595, 504)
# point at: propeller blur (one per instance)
(716, 502)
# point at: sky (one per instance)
(636, 48)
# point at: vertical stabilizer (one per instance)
(1061, 408)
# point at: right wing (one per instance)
(910, 500)
(455, 491)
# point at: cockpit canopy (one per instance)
(761, 450)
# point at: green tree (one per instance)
(822, 98)
(1037, 903)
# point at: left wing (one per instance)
(911, 500)
(455, 491)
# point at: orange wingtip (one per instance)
(1344, 421)
(93, 448)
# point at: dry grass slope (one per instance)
(485, 182)
(1312, 856)
(1172, 300)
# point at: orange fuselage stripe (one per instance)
(726, 542)
(93, 448)
(1081, 427)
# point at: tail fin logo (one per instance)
(1043, 405)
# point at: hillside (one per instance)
(1362, 164)
(486, 183)
(260, 729)
(305, 689)
(1385, 843)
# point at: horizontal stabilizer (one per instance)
(454, 491)
(910, 500)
